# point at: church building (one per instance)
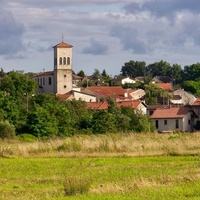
(58, 81)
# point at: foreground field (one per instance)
(102, 167)
(109, 178)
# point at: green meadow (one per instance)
(63, 171)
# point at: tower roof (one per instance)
(63, 45)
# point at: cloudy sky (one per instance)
(105, 33)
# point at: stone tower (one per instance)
(62, 68)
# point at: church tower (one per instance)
(62, 68)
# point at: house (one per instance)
(137, 94)
(78, 95)
(196, 107)
(165, 86)
(138, 105)
(162, 79)
(76, 79)
(173, 118)
(180, 96)
(103, 93)
(121, 80)
(140, 79)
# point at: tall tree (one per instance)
(96, 74)
(176, 73)
(192, 72)
(133, 68)
(161, 68)
(81, 73)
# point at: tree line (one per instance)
(187, 77)
(23, 111)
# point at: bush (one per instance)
(26, 137)
(76, 185)
(7, 130)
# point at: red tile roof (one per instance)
(170, 113)
(196, 102)
(165, 86)
(116, 92)
(64, 45)
(104, 105)
(44, 74)
(98, 105)
(64, 96)
(132, 104)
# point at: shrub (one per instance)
(7, 130)
(71, 146)
(26, 137)
(76, 185)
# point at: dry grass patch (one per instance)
(151, 144)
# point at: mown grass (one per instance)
(120, 166)
(163, 177)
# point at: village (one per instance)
(180, 110)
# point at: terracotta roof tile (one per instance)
(104, 105)
(116, 92)
(64, 45)
(98, 105)
(165, 86)
(44, 74)
(196, 102)
(132, 104)
(169, 113)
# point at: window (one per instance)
(60, 61)
(64, 61)
(189, 122)
(49, 80)
(40, 81)
(68, 60)
(165, 122)
(44, 81)
(65, 86)
(177, 123)
(157, 125)
(65, 76)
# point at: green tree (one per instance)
(103, 122)
(191, 86)
(81, 73)
(161, 68)
(176, 73)
(192, 72)
(133, 68)
(96, 74)
(152, 93)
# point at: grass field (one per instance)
(102, 167)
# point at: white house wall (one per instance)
(171, 124)
(84, 97)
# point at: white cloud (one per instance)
(148, 30)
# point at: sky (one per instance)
(105, 34)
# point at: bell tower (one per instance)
(62, 68)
